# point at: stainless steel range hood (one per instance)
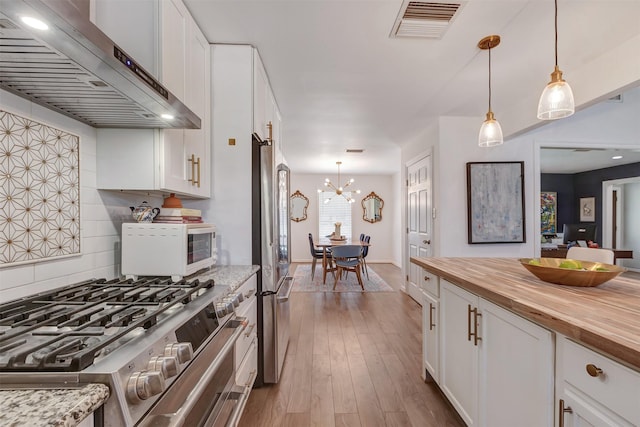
(75, 69)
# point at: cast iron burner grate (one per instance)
(66, 329)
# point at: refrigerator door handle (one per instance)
(285, 289)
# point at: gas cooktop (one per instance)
(70, 328)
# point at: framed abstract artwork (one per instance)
(548, 212)
(587, 209)
(495, 202)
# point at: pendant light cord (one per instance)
(489, 79)
(556, 28)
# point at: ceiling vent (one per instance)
(355, 150)
(424, 19)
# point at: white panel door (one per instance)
(419, 220)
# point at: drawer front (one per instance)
(430, 283)
(249, 287)
(246, 372)
(243, 343)
(616, 387)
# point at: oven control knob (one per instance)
(221, 309)
(168, 365)
(240, 296)
(181, 350)
(143, 385)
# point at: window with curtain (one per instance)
(336, 209)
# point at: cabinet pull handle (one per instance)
(561, 411)
(193, 169)
(431, 324)
(476, 337)
(427, 278)
(193, 180)
(270, 127)
(250, 329)
(426, 242)
(469, 334)
(593, 370)
(473, 334)
(198, 181)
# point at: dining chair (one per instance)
(365, 252)
(590, 254)
(347, 258)
(316, 254)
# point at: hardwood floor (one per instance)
(354, 359)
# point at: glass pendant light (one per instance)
(490, 132)
(556, 100)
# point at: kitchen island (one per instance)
(605, 317)
(504, 346)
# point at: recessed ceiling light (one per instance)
(617, 157)
(167, 116)
(34, 23)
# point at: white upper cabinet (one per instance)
(262, 107)
(266, 116)
(174, 30)
(178, 54)
(134, 26)
(157, 34)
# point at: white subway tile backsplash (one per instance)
(102, 213)
(10, 277)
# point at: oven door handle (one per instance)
(178, 418)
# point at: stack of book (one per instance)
(179, 216)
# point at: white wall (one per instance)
(385, 235)
(631, 225)
(454, 143)
(459, 145)
(101, 214)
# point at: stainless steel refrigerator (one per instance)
(270, 249)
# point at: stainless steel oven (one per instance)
(165, 349)
(206, 394)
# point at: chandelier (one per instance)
(338, 190)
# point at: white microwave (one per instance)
(176, 250)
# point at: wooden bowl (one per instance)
(591, 273)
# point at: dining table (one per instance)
(325, 243)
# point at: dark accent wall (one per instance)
(562, 184)
(571, 187)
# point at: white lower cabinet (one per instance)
(246, 349)
(430, 341)
(496, 368)
(593, 390)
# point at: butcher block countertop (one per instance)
(605, 318)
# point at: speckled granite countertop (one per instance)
(229, 275)
(50, 407)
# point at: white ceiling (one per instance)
(572, 160)
(341, 82)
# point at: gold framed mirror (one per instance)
(372, 207)
(299, 205)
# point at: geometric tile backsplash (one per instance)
(39, 191)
